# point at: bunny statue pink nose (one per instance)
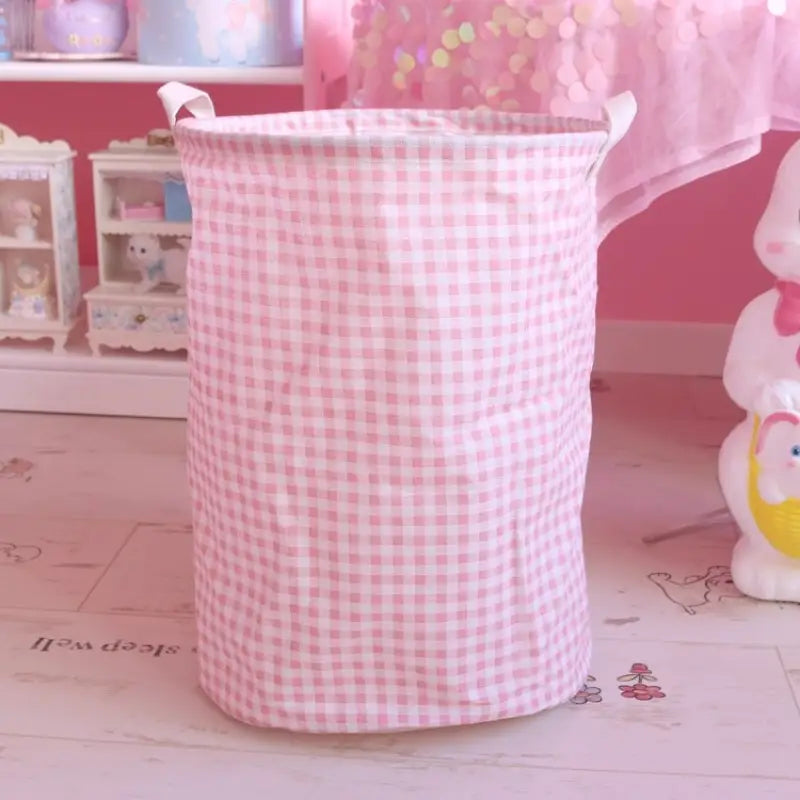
(775, 248)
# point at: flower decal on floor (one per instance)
(588, 694)
(641, 692)
(640, 684)
(16, 468)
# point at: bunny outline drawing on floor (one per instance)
(696, 591)
(16, 468)
(15, 554)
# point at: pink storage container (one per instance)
(391, 319)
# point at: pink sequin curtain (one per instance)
(562, 57)
(710, 76)
(439, 53)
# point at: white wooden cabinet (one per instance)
(144, 228)
(39, 271)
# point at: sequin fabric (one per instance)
(710, 76)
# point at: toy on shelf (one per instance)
(157, 266)
(39, 272)
(32, 294)
(227, 33)
(143, 248)
(759, 463)
(149, 211)
(86, 27)
(24, 216)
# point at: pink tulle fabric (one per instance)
(710, 76)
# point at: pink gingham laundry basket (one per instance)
(392, 326)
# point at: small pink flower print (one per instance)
(638, 679)
(642, 692)
(639, 673)
(588, 694)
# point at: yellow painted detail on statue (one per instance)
(780, 524)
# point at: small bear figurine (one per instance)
(24, 216)
(32, 292)
(759, 462)
(157, 265)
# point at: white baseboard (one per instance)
(662, 348)
(33, 379)
(115, 384)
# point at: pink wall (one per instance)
(688, 258)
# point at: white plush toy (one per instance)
(156, 265)
(759, 465)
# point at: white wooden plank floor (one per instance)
(98, 694)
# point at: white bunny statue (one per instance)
(759, 463)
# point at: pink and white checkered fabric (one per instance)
(392, 330)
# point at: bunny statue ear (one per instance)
(789, 169)
(774, 239)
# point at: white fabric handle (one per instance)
(619, 113)
(174, 96)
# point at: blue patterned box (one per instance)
(177, 207)
(225, 33)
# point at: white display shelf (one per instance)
(7, 322)
(116, 227)
(133, 72)
(10, 243)
(128, 292)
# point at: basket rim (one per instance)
(563, 128)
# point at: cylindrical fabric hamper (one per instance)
(391, 323)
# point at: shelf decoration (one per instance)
(22, 19)
(144, 228)
(70, 30)
(39, 271)
(224, 33)
(6, 28)
(86, 27)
